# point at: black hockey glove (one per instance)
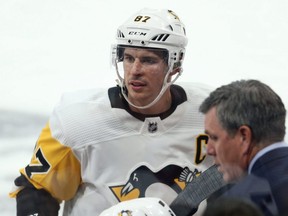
(34, 202)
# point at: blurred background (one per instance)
(50, 47)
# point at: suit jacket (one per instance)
(267, 184)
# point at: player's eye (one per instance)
(128, 58)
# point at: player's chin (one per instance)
(136, 97)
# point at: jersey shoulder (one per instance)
(82, 95)
(84, 117)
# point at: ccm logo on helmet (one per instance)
(137, 33)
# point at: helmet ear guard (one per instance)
(177, 58)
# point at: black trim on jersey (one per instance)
(117, 101)
(32, 201)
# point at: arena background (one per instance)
(49, 47)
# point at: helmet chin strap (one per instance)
(165, 85)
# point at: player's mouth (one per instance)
(136, 84)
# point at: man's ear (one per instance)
(245, 134)
(175, 71)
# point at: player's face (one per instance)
(225, 148)
(144, 72)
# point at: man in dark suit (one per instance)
(245, 122)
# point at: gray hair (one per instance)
(251, 103)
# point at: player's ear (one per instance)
(175, 71)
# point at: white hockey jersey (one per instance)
(94, 156)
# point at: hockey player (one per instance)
(141, 138)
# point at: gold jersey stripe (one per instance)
(52, 166)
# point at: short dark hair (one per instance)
(251, 103)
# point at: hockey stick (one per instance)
(199, 189)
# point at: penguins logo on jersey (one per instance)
(125, 213)
(141, 178)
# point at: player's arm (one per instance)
(52, 175)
